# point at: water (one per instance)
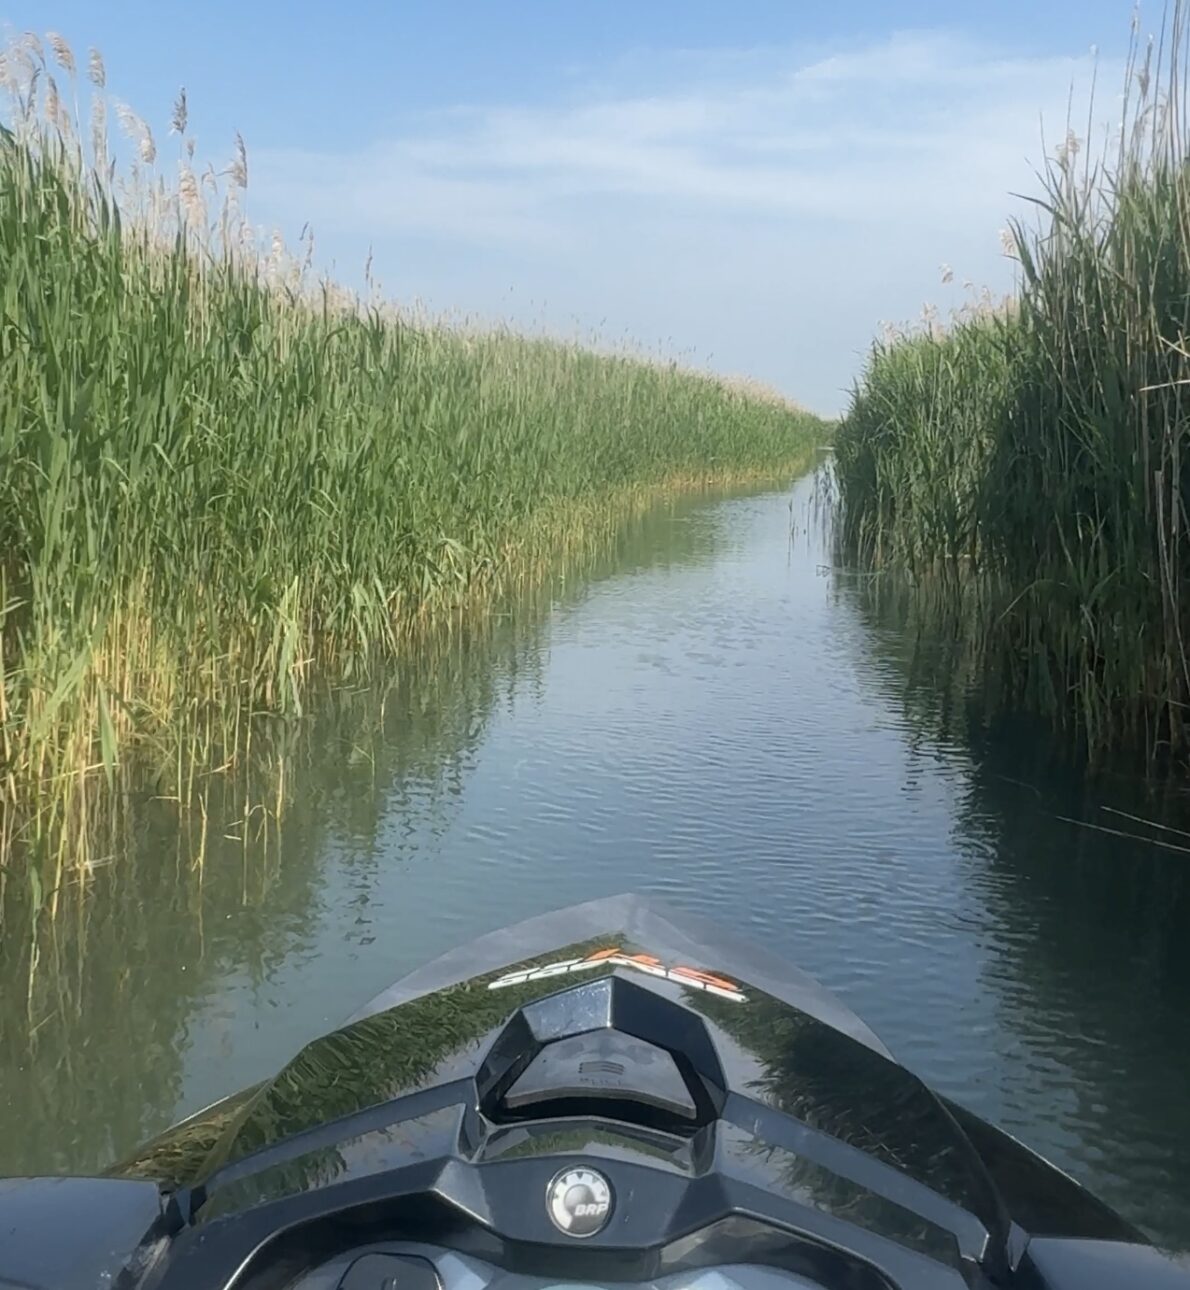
(710, 716)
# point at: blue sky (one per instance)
(754, 187)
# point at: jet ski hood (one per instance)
(774, 1032)
(632, 923)
(627, 1078)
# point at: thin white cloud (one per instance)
(851, 171)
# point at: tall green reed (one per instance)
(218, 471)
(1041, 448)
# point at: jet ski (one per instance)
(609, 1095)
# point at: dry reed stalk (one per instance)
(62, 52)
(180, 114)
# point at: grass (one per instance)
(1041, 449)
(218, 472)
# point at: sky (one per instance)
(753, 187)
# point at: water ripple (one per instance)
(715, 723)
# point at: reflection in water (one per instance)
(223, 899)
(1093, 959)
(191, 916)
(705, 718)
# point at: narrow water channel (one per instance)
(712, 716)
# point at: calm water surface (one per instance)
(710, 716)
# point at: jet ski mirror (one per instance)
(607, 1048)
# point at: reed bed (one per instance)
(219, 472)
(1041, 449)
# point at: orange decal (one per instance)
(707, 978)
